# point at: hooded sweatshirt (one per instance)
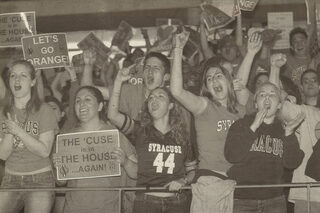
(260, 157)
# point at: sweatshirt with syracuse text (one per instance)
(260, 157)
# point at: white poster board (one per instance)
(281, 21)
(46, 50)
(88, 154)
(14, 26)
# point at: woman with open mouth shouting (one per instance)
(26, 139)
(214, 110)
(165, 157)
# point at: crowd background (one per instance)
(219, 102)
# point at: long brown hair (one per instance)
(231, 97)
(34, 102)
(176, 121)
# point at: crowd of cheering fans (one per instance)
(245, 113)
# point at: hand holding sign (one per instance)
(121, 156)
(89, 56)
(180, 39)
(254, 43)
(87, 154)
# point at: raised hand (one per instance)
(278, 60)
(254, 43)
(124, 74)
(180, 40)
(202, 17)
(71, 72)
(237, 85)
(89, 56)
(144, 32)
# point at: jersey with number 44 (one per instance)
(160, 158)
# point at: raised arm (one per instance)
(193, 103)
(145, 35)
(254, 45)
(40, 85)
(104, 71)
(89, 57)
(54, 85)
(276, 62)
(122, 121)
(207, 52)
(239, 40)
(70, 114)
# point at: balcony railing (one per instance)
(124, 189)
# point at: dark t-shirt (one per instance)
(160, 158)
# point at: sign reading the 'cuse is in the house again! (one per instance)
(87, 155)
(14, 26)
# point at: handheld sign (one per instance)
(46, 50)
(14, 26)
(192, 45)
(281, 21)
(91, 41)
(248, 5)
(164, 38)
(77, 62)
(217, 13)
(168, 21)
(88, 154)
(236, 9)
(123, 35)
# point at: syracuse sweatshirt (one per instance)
(260, 157)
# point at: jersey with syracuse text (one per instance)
(212, 126)
(21, 159)
(160, 158)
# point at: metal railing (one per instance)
(124, 189)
